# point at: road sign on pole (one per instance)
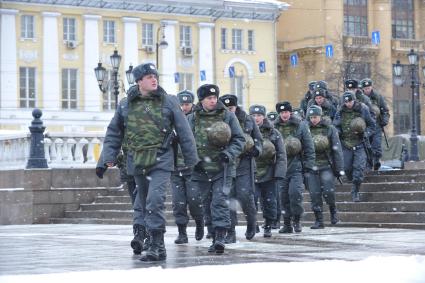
(294, 59)
(329, 51)
(232, 71)
(262, 66)
(376, 37)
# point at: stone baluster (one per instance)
(47, 146)
(69, 149)
(53, 155)
(59, 145)
(79, 155)
(90, 151)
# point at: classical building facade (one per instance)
(338, 39)
(49, 50)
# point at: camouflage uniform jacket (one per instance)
(172, 118)
(332, 157)
(267, 170)
(208, 153)
(181, 168)
(342, 123)
(304, 102)
(384, 116)
(299, 129)
(249, 127)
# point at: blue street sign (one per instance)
(329, 51)
(262, 66)
(232, 71)
(376, 37)
(176, 77)
(294, 59)
(203, 75)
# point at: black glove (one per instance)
(253, 153)
(100, 171)
(199, 167)
(223, 157)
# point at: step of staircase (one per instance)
(390, 199)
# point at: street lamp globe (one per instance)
(115, 60)
(398, 69)
(129, 75)
(163, 44)
(413, 57)
(100, 73)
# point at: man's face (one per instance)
(319, 100)
(232, 108)
(285, 115)
(258, 119)
(186, 107)
(315, 119)
(367, 90)
(349, 104)
(148, 83)
(209, 102)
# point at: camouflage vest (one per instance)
(287, 130)
(322, 158)
(263, 165)
(143, 135)
(348, 138)
(206, 151)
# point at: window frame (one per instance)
(147, 35)
(109, 31)
(237, 39)
(223, 36)
(185, 36)
(184, 79)
(356, 18)
(27, 27)
(30, 102)
(251, 40)
(67, 34)
(403, 19)
(68, 102)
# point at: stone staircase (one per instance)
(390, 199)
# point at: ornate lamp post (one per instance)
(100, 73)
(160, 44)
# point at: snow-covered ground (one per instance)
(409, 269)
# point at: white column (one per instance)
(51, 72)
(131, 45)
(206, 52)
(8, 65)
(92, 94)
(168, 65)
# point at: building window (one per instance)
(355, 17)
(27, 26)
(236, 88)
(356, 70)
(27, 87)
(147, 34)
(223, 38)
(108, 96)
(236, 39)
(109, 31)
(251, 40)
(186, 81)
(69, 29)
(185, 36)
(403, 19)
(69, 88)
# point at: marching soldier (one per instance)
(243, 189)
(327, 107)
(184, 193)
(353, 86)
(271, 166)
(382, 114)
(354, 125)
(145, 123)
(298, 112)
(329, 163)
(300, 155)
(308, 96)
(220, 141)
(272, 115)
(332, 98)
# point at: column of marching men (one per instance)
(214, 158)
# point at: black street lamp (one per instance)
(160, 44)
(413, 61)
(100, 73)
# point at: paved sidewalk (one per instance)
(37, 249)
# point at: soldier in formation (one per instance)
(219, 141)
(243, 188)
(300, 155)
(184, 193)
(145, 122)
(355, 125)
(329, 163)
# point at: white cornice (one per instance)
(8, 11)
(92, 17)
(206, 25)
(50, 14)
(130, 20)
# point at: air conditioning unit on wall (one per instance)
(187, 51)
(148, 48)
(71, 44)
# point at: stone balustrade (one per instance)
(62, 150)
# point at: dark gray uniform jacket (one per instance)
(304, 161)
(248, 127)
(232, 150)
(278, 169)
(173, 118)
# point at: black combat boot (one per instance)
(355, 192)
(276, 224)
(209, 232)
(136, 244)
(334, 214)
(156, 249)
(251, 228)
(211, 249)
(318, 224)
(219, 244)
(287, 227)
(182, 237)
(146, 242)
(376, 164)
(297, 224)
(230, 236)
(199, 232)
(267, 228)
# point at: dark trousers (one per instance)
(267, 193)
(184, 195)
